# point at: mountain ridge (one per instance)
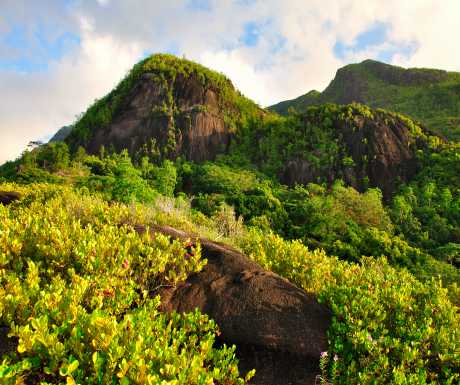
(168, 107)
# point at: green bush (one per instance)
(427, 210)
(78, 291)
(162, 178)
(387, 327)
(117, 179)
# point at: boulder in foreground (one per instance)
(6, 197)
(279, 329)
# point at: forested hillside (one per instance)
(429, 95)
(358, 207)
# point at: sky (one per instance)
(58, 56)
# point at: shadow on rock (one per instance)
(6, 197)
(7, 345)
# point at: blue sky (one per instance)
(34, 52)
(57, 56)
(35, 49)
(374, 40)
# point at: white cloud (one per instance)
(37, 104)
(294, 52)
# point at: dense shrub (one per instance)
(427, 211)
(388, 328)
(78, 291)
(162, 178)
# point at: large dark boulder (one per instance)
(6, 197)
(278, 329)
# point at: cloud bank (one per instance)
(56, 57)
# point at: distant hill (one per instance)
(429, 95)
(62, 134)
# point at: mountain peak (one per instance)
(168, 106)
(374, 70)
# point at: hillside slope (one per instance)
(61, 134)
(429, 95)
(362, 146)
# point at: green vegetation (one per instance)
(388, 328)
(76, 286)
(428, 95)
(79, 286)
(78, 291)
(324, 139)
(427, 210)
(418, 229)
(338, 219)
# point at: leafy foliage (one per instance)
(78, 292)
(381, 314)
(117, 179)
(427, 211)
(387, 326)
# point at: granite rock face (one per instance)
(382, 148)
(178, 117)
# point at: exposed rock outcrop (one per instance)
(6, 197)
(278, 329)
(166, 107)
(375, 149)
(192, 126)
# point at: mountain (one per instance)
(178, 219)
(167, 106)
(429, 95)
